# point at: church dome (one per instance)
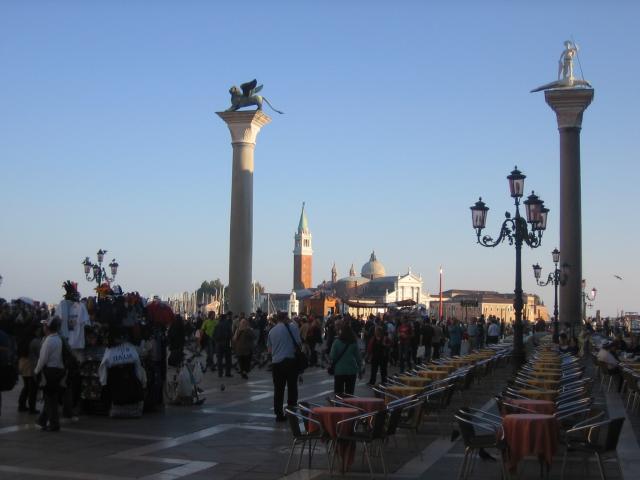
(373, 268)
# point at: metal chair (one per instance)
(478, 433)
(366, 429)
(302, 435)
(600, 438)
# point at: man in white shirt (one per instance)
(607, 354)
(282, 342)
(493, 332)
(51, 365)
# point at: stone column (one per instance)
(569, 104)
(244, 127)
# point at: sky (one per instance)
(398, 116)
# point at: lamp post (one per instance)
(586, 296)
(555, 278)
(96, 272)
(515, 231)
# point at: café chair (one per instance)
(302, 435)
(600, 439)
(478, 433)
(367, 429)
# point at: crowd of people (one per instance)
(112, 350)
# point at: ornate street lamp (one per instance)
(96, 272)
(555, 278)
(515, 230)
(591, 296)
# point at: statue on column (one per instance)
(248, 97)
(565, 64)
(565, 70)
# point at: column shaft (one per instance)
(571, 225)
(241, 228)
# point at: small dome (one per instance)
(373, 268)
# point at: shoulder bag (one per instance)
(300, 358)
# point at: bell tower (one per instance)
(302, 254)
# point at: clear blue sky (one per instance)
(398, 116)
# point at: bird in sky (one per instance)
(618, 277)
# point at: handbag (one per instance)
(332, 368)
(300, 358)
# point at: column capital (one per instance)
(245, 125)
(569, 104)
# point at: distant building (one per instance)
(466, 304)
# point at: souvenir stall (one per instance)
(123, 367)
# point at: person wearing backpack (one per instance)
(51, 365)
(222, 335)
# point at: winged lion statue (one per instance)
(245, 96)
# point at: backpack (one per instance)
(8, 363)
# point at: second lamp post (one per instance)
(515, 230)
(554, 279)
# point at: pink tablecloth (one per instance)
(538, 406)
(531, 433)
(329, 418)
(369, 404)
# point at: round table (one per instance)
(414, 381)
(538, 394)
(538, 406)
(402, 392)
(546, 374)
(442, 368)
(329, 418)
(543, 383)
(368, 404)
(531, 433)
(433, 374)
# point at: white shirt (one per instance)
(493, 330)
(120, 355)
(50, 353)
(605, 356)
(74, 317)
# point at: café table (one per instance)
(531, 433)
(543, 383)
(329, 418)
(433, 374)
(538, 394)
(538, 406)
(546, 374)
(414, 381)
(443, 368)
(368, 404)
(400, 391)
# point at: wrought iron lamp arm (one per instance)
(506, 232)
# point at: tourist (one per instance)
(378, 355)
(608, 355)
(222, 335)
(283, 340)
(427, 339)
(208, 326)
(493, 333)
(28, 353)
(472, 332)
(52, 368)
(243, 341)
(405, 337)
(436, 341)
(346, 361)
(455, 337)
(175, 337)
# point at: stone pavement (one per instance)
(233, 435)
